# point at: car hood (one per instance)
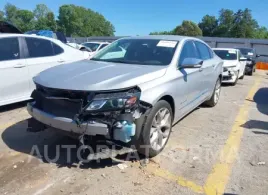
(228, 63)
(94, 76)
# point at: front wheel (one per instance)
(215, 96)
(242, 77)
(155, 130)
(236, 79)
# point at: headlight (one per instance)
(113, 101)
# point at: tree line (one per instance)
(238, 24)
(73, 21)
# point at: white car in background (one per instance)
(94, 46)
(233, 66)
(24, 56)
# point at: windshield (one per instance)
(138, 51)
(246, 51)
(226, 54)
(92, 46)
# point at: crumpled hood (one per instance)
(228, 63)
(94, 76)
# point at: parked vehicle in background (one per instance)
(6, 27)
(23, 57)
(233, 66)
(95, 46)
(251, 55)
(133, 97)
(48, 33)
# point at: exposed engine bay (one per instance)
(118, 110)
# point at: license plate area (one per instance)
(60, 107)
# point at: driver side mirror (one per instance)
(191, 63)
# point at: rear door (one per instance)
(207, 69)
(14, 77)
(41, 55)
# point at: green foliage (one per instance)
(10, 12)
(244, 25)
(208, 25)
(261, 33)
(72, 20)
(225, 23)
(187, 28)
(41, 11)
(2, 14)
(79, 21)
(24, 20)
(238, 24)
(161, 33)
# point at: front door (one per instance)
(14, 77)
(190, 84)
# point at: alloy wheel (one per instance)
(160, 129)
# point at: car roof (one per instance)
(26, 35)
(163, 37)
(99, 42)
(233, 49)
(244, 48)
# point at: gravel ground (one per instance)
(182, 168)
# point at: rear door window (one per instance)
(102, 46)
(57, 49)
(9, 49)
(39, 47)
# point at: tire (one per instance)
(148, 132)
(215, 96)
(250, 73)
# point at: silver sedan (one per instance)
(132, 91)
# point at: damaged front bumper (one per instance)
(67, 124)
(110, 114)
(229, 76)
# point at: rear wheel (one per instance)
(250, 72)
(155, 130)
(215, 96)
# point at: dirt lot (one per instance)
(211, 151)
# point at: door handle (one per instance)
(213, 65)
(19, 65)
(61, 61)
(200, 69)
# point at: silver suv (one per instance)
(130, 92)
